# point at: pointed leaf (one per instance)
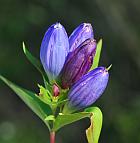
(44, 95)
(32, 59)
(35, 62)
(93, 132)
(38, 107)
(64, 119)
(97, 55)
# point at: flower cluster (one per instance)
(72, 79)
(67, 61)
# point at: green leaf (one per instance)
(50, 118)
(38, 107)
(93, 132)
(36, 63)
(97, 55)
(64, 119)
(44, 95)
(32, 59)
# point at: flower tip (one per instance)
(58, 25)
(103, 70)
(87, 27)
(86, 24)
(83, 32)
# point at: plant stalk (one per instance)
(52, 137)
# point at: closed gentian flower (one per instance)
(88, 89)
(83, 32)
(54, 49)
(78, 63)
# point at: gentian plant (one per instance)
(72, 80)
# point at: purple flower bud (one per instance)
(54, 49)
(56, 90)
(89, 88)
(78, 63)
(83, 32)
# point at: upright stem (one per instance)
(52, 137)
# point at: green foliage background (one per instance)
(116, 21)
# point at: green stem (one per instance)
(52, 137)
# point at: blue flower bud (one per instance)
(88, 89)
(54, 49)
(83, 32)
(78, 63)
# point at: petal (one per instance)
(89, 88)
(54, 49)
(83, 32)
(78, 63)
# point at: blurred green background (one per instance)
(116, 21)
